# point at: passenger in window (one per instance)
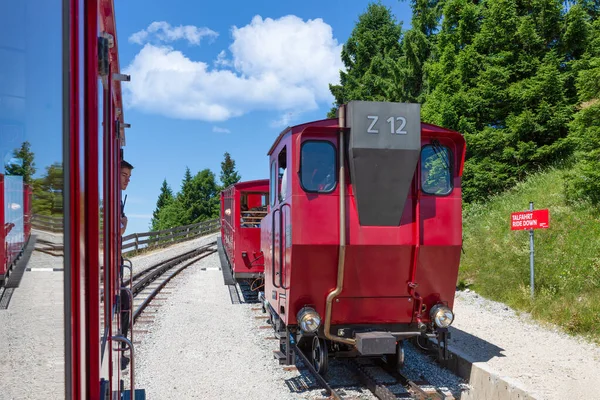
(283, 184)
(125, 297)
(323, 177)
(125, 177)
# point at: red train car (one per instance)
(15, 220)
(243, 206)
(363, 236)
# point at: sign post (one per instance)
(531, 252)
(530, 220)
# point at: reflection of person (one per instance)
(125, 177)
(319, 169)
(323, 177)
(8, 227)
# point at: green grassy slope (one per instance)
(567, 256)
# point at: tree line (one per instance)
(198, 199)
(47, 196)
(519, 79)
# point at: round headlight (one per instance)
(308, 319)
(441, 315)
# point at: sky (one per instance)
(215, 77)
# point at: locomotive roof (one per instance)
(245, 185)
(333, 123)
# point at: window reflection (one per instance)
(31, 199)
(318, 172)
(436, 171)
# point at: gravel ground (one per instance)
(201, 346)
(32, 335)
(548, 363)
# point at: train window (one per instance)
(273, 183)
(318, 166)
(436, 170)
(253, 209)
(282, 161)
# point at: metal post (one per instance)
(531, 252)
(122, 339)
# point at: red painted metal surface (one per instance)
(243, 237)
(91, 199)
(3, 230)
(300, 239)
(75, 338)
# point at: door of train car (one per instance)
(280, 201)
(34, 122)
(57, 309)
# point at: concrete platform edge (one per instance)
(485, 383)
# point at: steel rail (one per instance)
(330, 391)
(409, 384)
(205, 252)
(182, 256)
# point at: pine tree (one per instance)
(48, 191)
(164, 198)
(25, 167)
(228, 175)
(373, 44)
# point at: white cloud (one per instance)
(220, 130)
(284, 65)
(285, 120)
(163, 32)
(222, 60)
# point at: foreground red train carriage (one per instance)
(64, 97)
(243, 206)
(362, 245)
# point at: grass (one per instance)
(567, 256)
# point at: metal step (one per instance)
(140, 394)
(225, 266)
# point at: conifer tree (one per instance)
(24, 165)
(164, 198)
(228, 175)
(374, 42)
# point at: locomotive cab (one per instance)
(363, 250)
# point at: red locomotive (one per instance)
(362, 238)
(243, 206)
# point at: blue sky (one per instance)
(211, 77)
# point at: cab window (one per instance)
(436, 170)
(273, 184)
(318, 171)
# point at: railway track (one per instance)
(148, 283)
(384, 383)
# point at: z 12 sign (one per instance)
(536, 219)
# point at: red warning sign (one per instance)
(536, 219)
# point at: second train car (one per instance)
(243, 206)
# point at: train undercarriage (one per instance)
(315, 350)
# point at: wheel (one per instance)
(320, 355)
(396, 361)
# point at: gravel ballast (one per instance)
(201, 346)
